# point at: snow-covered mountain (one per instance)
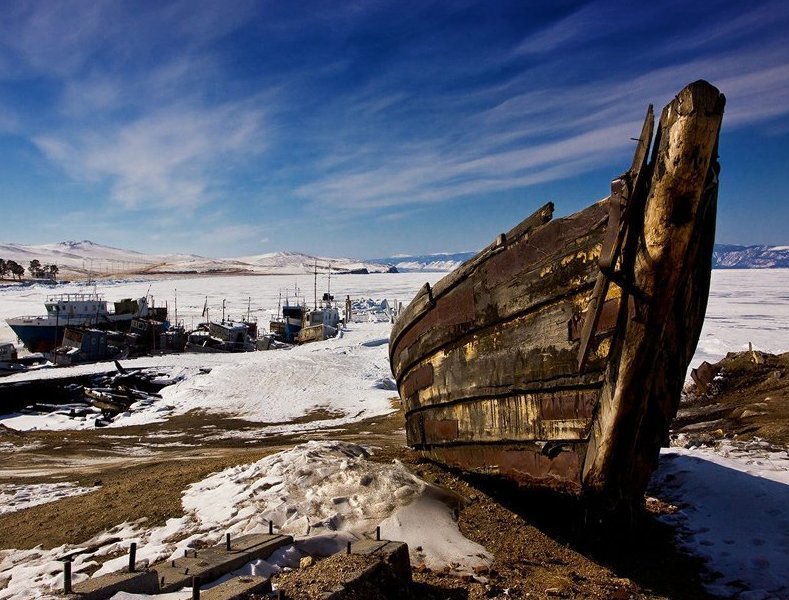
(444, 261)
(750, 257)
(724, 257)
(80, 259)
(83, 258)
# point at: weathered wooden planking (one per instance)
(486, 298)
(426, 295)
(563, 415)
(528, 464)
(532, 352)
(664, 258)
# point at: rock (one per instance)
(306, 562)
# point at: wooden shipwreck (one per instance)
(556, 356)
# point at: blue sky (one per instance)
(365, 128)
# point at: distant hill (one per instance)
(79, 259)
(724, 257)
(750, 257)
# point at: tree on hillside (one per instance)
(15, 268)
(35, 268)
(3, 267)
(52, 271)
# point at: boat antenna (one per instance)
(279, 303)
(249, 306)
(223, 310)
(316, 283)
(176, 306)
(328, 290)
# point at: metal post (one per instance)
(227, 542)
(271, 527)
(349, 548)
(132, 556)
(67, 576)
(195, 588)
(378, 534)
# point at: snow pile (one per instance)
(368, 309)
(323, 493)
(17, 497)
(734, 513)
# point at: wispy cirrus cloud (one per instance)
(547, 121)
(164, 159)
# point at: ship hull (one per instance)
(43, 334)
(39, 338)
(556, 356)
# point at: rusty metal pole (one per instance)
(195, 588)
(227, 542)
(378, 534)
(349, 548)
(132, 556)
(67, 576)
(271, 527)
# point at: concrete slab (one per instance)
(211, 563)
(389, 577)
(106, 586)
(237, 588)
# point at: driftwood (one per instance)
(556, 355)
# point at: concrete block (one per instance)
(106, 586)
(237, 588)
(211, 563)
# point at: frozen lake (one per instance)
(745, 305)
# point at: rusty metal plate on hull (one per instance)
(441, 430)
(526, 465)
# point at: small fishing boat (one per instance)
(556, 356)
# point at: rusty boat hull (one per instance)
(556, 356)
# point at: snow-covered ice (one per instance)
(323, 493)
(745, 305)
(345, 375)
(734, 512)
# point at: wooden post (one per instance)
(195, 588)
(227, 542)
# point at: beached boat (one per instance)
(44, 333)
(321, 323)
(556, 356)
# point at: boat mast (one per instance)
(315, 271)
